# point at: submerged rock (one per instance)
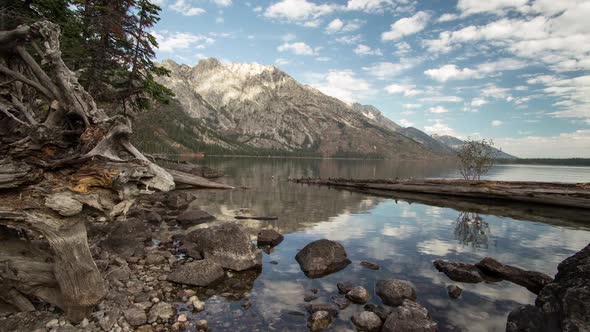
(394, 292)
(454, 291)
(358, 294)
(227, 244)
(344, 287)
(328, 307)
(370, 265)
(380, 310)
(198, 273)
(532, 280)
(321, 258)
(341, 302)
(269, 237)
(367, 321)
(319, 320)
(409, 316)
(562, 305)
(460, 272)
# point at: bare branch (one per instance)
(22, 78)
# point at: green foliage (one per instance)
(107, 42)
(476, 158)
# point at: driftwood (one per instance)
(61, 154)
(554, 194)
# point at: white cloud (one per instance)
(298, 10)
(406, 26)
(403, 48)
(493, 91)
(342, 84)
(367, 50)
(369, 6)
(386, 70)
(497, 123)
(186, 8)
(323, 58)
(452, 72)
(288, 37)
(447, 17)
(349, 39)
(469, 7)
(406, 90)
(442, 99)
(476, 102)
(223, 3)
(335, 26)
(410, 106)
(282, 62)
(565, 145)
(181, 40)
(440, 128)
(299, 48)
(405, 123)
(438, 110)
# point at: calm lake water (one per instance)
(402, 235)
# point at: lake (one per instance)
(403, 236)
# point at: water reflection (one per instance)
(471, 229)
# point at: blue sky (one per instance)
(516, 71)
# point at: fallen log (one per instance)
(195, 181)
(576, 195)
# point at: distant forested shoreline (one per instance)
(546, 161)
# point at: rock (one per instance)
(127, 238)
(202, 325)
(394, 292)
(182, 318)
(145, 328)
(191, 250)
(135, 315)
(330, 308)
(562, 305)
(344, 287)
(154, 259)
(309, 297)
(194, 217)
(321, 258)
(409, 316)
(269, 237)
(460, 272)
(227, 244)
(381, 311)
(198, 273)
(358, 294)
(371, 266)
(319, 320)
(177, 200)
(367, 321)
(341, 302)
(532, 280)
(454, 291)
(64, 204)
(161, 310)
(153, 217)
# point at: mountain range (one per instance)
(234, 108)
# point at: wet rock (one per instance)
(369, 265)
(344, 287)
(269, 237)
(202, 325)
(367, 321)
(135, 315)
(562, 305)
(194, 217)
(227, 244)
(381, 311)
(358, 294)
(394, 292)
(460, 272)
(309, 297)
(161, 310)
(319, 321)
(532, 280)
(198, 273)
(321, 258)
(328, 307)
(341, 302)
(409, 316)
(454, 291)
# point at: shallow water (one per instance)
(403, 238)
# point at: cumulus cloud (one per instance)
(298, 10)
(405, 123)
(370, 6)
(438, 110)
(406, 90)
(335, 26)
(386, 70)
(497, 123)
(565, 145)
(406, 26)
(440, 128)
(367, 50)
(476, 102)
(299, 48)
(442, 99)
(170, 42)
(452, 72)
(349, 39)
(186, 8)
(469, 7)
(341, 84)
(223, 3)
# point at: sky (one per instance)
(515, 71)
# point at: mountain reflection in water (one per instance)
(402, 233)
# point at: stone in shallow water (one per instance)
(454, 291)
(269, 237)
(394, 292)
(367, 321)
(328, 307)
(409, 316)
(198, 273)
(532, 280)
(228, 244)
(358, 294)
(370, 265)
(344, 287)
(322, 257)
(460, 272)
(319, 321)
(341, 302)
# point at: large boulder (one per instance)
(409, 317)
(562, 305)
(198, 273)
(532, 280)
(366, 321)
(460, 272)
(321, 258)
(394, 292)
(227, 244)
